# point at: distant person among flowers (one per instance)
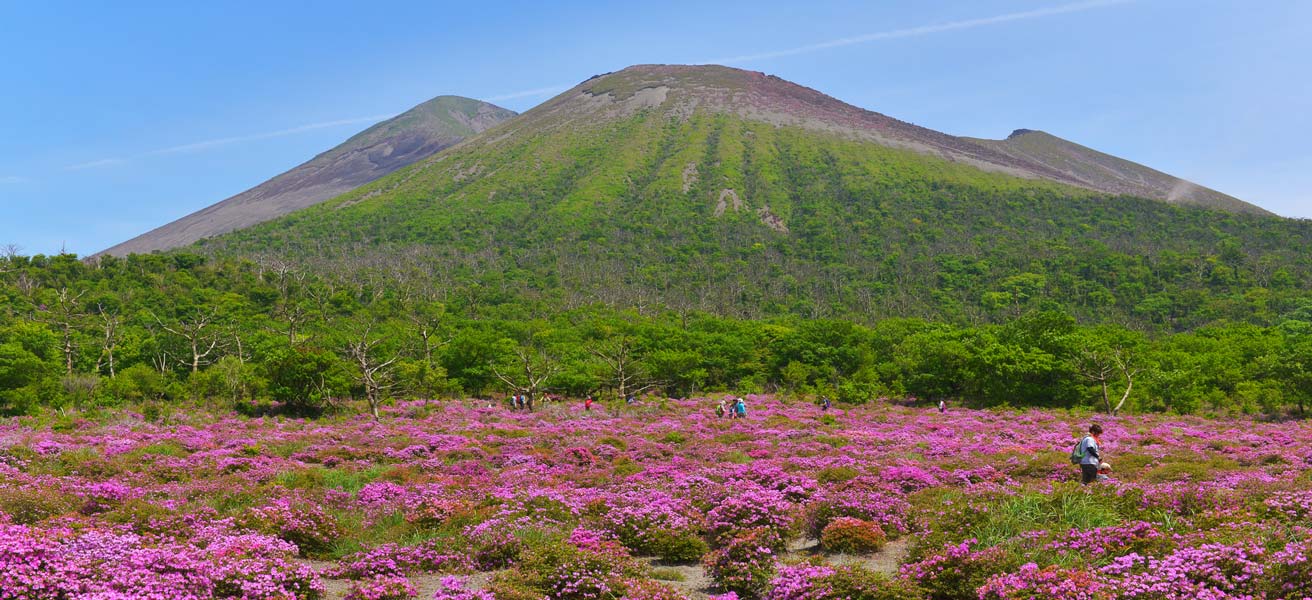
(740, 408)
(1104, 472)
(587, 403)
(720, 409)
(824, 403)
(1090, 457)
(942, 406)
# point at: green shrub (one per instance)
(677, 546)
(667, 574)
(858, 583)
(1180, 471)
(745, 564)
(852, 536)
(28, 505)
(836, 474)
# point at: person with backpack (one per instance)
(1087, 455)
(740, 409)
(719, 409)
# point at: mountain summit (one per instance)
(385, 147)
(757, 96)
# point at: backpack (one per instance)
(1077, 453)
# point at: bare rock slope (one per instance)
(397, 142)
(1104, 172)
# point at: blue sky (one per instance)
(119, 117)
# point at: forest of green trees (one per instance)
(270, 335)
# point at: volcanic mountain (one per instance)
(385, 147)
(739, 193)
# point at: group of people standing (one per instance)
(737, 410)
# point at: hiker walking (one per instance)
(1088, 454)
(587, 403)
(942, 406)
(824, 403)
(740, 409)
(719, 409)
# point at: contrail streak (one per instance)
(207, 144)
(925, 30)
(542, 91)
(264, 136)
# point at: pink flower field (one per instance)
(662, 500)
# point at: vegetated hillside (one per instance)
(708, 188)
(411, 136)
(1099, 171)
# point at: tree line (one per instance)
(269, 335)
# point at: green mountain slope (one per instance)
(385, 147)
(708, 188)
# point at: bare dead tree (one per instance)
(109, 327)
(9, 252)
(626, 372)
(373, 370)
(426, 318)
(198, 333)
(66, 315)
(1103, 368)
(528, 373)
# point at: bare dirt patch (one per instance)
(728, 198)
(689, 176)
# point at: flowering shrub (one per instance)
(1100, 543)
(566, 572)
(745, 564)
(1050, 583)
(821, 582)
(307, 525)
(1289, 571)
(59, 563)
(854, 536)
(857, 501)
(1296, 506)
(654, 522)
(958, 570)
(391, 559)
(455, 588)
(753, 508)
(134, 509)
(382, 587)
(1207, 571)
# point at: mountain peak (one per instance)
(385, 147)
(681, 90)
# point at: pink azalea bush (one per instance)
(566, 504)
(382, 587)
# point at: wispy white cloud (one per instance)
(207, 144)
(96, 164)
(13, 179)
(542, 91)
(924, 30)
(214, 143)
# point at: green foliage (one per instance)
(858, 583)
